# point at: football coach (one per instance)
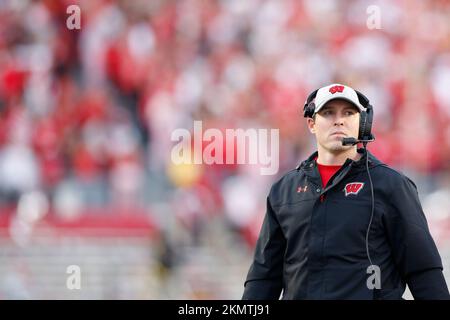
(344, 225)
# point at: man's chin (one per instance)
(337, 147)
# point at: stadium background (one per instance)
(86, 117)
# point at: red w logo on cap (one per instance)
(353, 188)
(335, 89)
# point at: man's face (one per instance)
(336, 120)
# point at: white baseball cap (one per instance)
(336, 91)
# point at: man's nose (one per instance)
(339, 120)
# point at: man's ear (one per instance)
(311, 125)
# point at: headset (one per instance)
(364, 136)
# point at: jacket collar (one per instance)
(361, 163)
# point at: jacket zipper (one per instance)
(341, 176)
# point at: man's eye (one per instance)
(350, 113)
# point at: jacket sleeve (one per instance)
(413, 247)
(264, 279)
(428, 284)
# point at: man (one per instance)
(327, 236)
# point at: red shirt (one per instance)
(326, 172)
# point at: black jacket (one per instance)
(312, 244)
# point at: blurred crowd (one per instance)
(86, 115)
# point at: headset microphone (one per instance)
(352, 141)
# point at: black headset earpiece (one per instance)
(309, 106)
(366, 118)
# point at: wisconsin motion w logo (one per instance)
(353, 188)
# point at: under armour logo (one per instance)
(353, 188)
(335, 89)
(300, 189)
